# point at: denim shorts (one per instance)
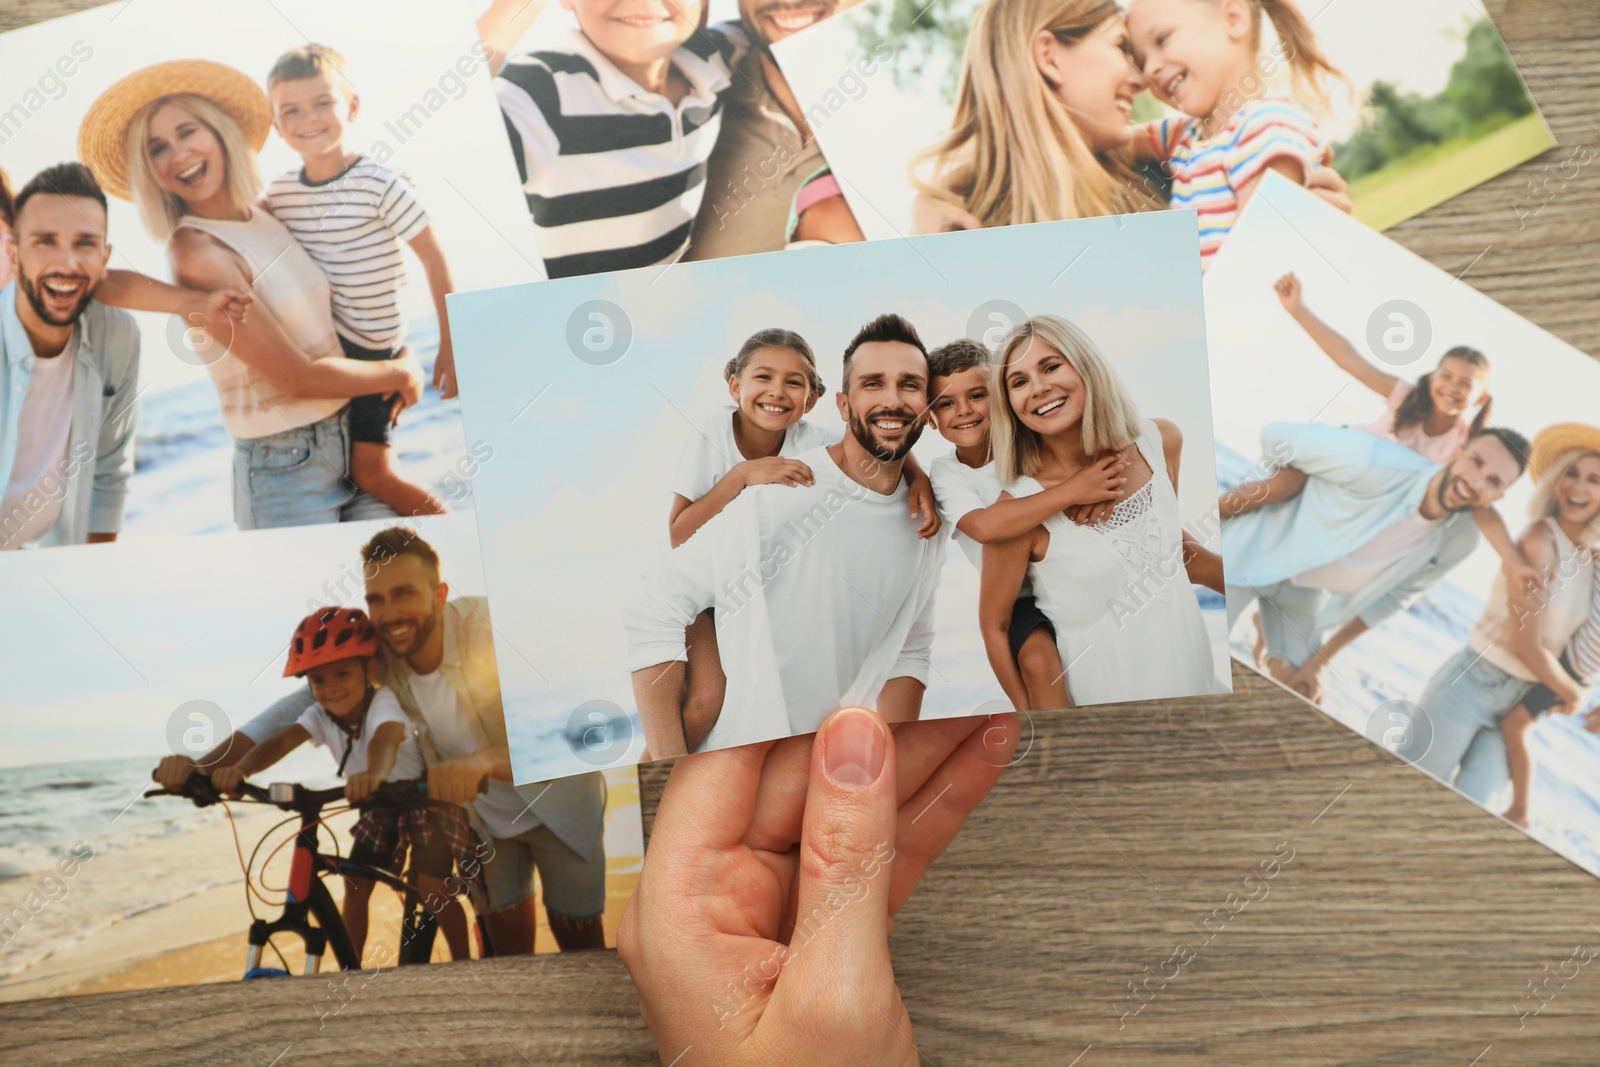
(573, 887)
(300, 477)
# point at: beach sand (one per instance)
(186, 920)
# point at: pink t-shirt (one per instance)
(1441, 449)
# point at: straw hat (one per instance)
(102, 137)
(1552, 442)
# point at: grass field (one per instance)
(1433, 175)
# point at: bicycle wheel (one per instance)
(331, 923)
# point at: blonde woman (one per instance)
(1532, 650)
(180, 140)
(1118, 592)
(1040, 131)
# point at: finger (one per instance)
(841, 933)
(706, 808)
(931, 820)
(921, 747)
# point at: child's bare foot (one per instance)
(1517, 817)
(1279, 670)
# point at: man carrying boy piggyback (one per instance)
(352, 214)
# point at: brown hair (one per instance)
(309, 61)
(955, 357)
(1308, 63)
(395, 542)
(1418, 404)
(775, 337)
(5, 198)
(886, 327)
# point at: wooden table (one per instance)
(1404, 929)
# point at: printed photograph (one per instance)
(226, 238)
(665, 132)
(968, 113)
(1411, 507)
(938, 478)
(280, 754)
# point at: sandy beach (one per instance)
(171, 910)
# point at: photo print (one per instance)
(995, 112)
(711, 516)
(1411, 479)
(226, 236)
(358, 651)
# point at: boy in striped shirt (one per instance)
(351, 215)
(612, 130)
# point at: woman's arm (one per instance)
(261, 344)
(1005, 564)
(1527, 618)
(1331, 341)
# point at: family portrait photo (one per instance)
(226, 239)
(1410, 510)
(668, 134)
(283, 753)
(996, 112)
(939, 477)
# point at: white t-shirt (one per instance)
(384, 708)
(502, 809)
(32, 499)
(837, 564)
(1357, 570)
(710, 454)
(959, 490)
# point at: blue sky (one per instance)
(573, 504)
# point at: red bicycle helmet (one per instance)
(327, 635)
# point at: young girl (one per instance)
(335, 650)
(773, 381)
(1433, 416)
(1201, 57)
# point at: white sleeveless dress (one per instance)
(1126, 619)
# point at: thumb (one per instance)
(841, 927)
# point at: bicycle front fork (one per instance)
(260, 930)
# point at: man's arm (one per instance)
(900, 699)
(909, 677)
(113, 459)
(1307, 680)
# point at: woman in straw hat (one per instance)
(1532, 650)
(180, 139)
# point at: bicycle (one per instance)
(309, 910)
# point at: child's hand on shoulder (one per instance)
(774, 470)
(227, 780)
(1100, 482)
(359, 787)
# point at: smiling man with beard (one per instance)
(1375, 528)
(823, 593)
(69, 371)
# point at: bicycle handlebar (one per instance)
(291, 796)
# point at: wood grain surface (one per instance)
(1403, 931)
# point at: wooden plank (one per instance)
(1403, 930)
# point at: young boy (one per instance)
(335, 650)
(612, 129)
(351, 215)
(968, 493)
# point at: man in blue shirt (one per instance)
(69, 370)
(1375, 527)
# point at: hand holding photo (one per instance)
(777, 411)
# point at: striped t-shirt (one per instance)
(614, 174)
(352, 226)
(1207, 175)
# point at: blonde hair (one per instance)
(1014, 153)
(1111, 419)
(1543, 505)
(160, 210)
